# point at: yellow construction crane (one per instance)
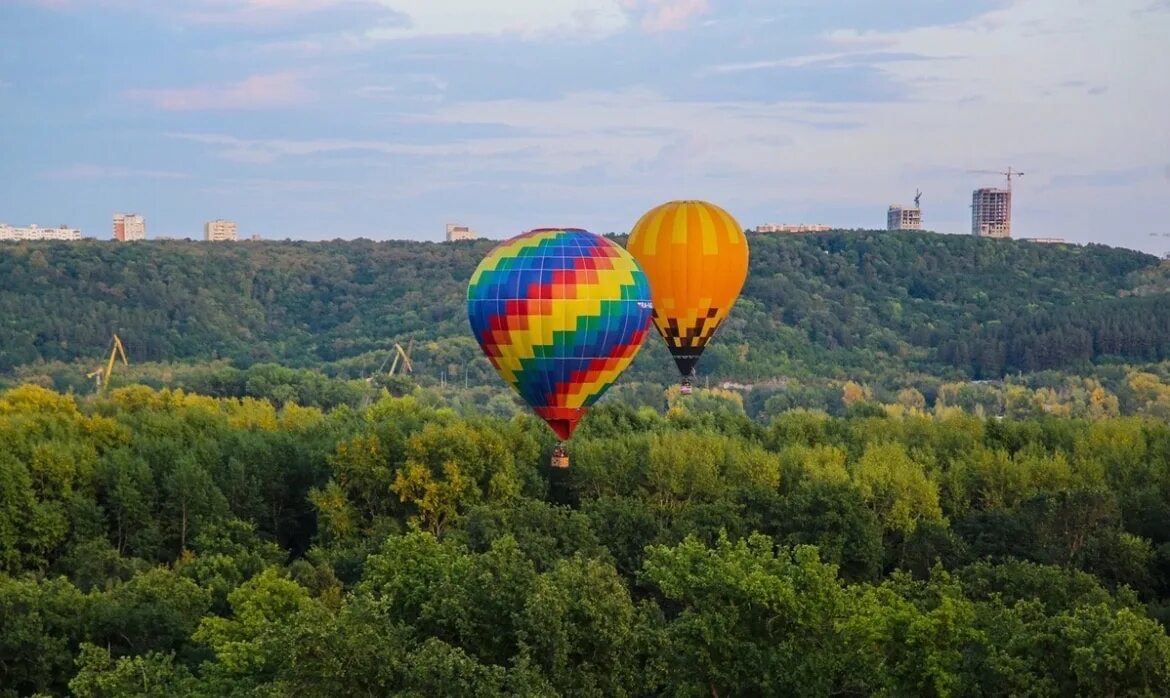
(404, 354)
(100, 373)
(399, 354)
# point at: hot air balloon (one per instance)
(560, 313)
(696, 258)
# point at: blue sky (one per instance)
(317, 119)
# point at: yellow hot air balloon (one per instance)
(695, 256)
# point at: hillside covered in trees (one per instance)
(867, 306)
(289, 523)
(157, 543)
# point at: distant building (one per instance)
(35, 232)
(1044, 241)
(129, 226)
(991, 213)
(903, 218)
(792, 228)
(459, 232)
(219, 230)
(732, 385)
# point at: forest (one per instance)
(914, 464)
(889, 310)
(165, 543)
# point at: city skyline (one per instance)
(389, 118)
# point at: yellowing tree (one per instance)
(853, 393)
(896, 488)
(437, 501)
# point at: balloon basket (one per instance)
(684, 388)
(560, 459)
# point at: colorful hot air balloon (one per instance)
(560, 314)
(696, 258)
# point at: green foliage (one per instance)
(43, 622)
(899, 313)
(750, 620)
(152, 675)
(158, 542)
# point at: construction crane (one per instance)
(399, 354)
(101, 375)
(1009, 174)
(917, 197)
(404, 354)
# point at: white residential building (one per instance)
(219, 229)
(129, 226)
(35, 232)
(459, 232)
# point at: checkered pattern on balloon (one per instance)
(560, 313)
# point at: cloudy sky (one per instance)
(384, 119)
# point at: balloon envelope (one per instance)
(560, 313)
(696, 258)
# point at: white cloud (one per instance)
(522, 18)
(819, 60)
(1021, 86)
(666, 15)
(258, 12)
(406, 87)
(1029, 65)
(271, 150)
(272, 90)
(420, 18)
(1028, 45)
(1043, 87)
(90, 171)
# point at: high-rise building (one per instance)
(129, 226)
(991, 213)
(459, 232)
(219, 229)
(35, 232)
(903, 218)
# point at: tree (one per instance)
(896, 488)
(153, 675)
(43, 621)
(749, 619)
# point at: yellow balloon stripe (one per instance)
(707, 224)
(734, 233)
(650, 242)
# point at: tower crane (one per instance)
(917, 197)
(1009, 174)
(101, 375)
